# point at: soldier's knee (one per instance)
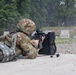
(32, 54)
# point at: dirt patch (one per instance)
(66, 48)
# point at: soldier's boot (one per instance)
(1, 55)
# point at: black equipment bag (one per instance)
(49, 47)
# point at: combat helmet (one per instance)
(27, 26)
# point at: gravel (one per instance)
(66, 48)
(44, 65)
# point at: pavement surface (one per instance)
(42, 65)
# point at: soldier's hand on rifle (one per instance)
(43, 37)
(36, 42)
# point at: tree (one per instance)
(8, 14)
(42, 12)
(66, 12)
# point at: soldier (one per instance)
(24, 45)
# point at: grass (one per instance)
(57, 30)
(65, 40)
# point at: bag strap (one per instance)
(14, 38)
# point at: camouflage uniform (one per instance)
(24, 45)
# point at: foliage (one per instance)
(67, 12)
(42, 12)
(8, 14)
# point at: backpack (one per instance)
(49, 46)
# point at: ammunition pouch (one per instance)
(8, 53)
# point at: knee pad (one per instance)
(8, 53)
(32, 54)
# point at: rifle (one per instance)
(38, 35)
(48, 46)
